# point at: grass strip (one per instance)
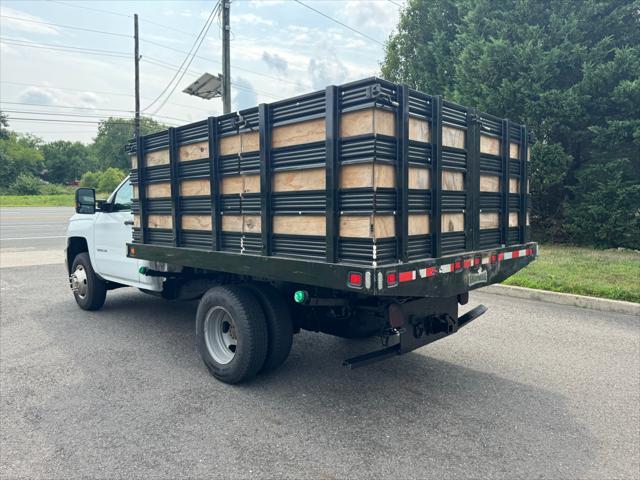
(613, 273)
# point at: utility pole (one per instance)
(226, 57)
(137, 81)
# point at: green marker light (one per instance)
(300, 296)
(142, 270)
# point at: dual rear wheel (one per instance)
(243, 330)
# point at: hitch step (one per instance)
(410, 343)
(371, 357)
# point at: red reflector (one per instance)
(392, 278)
(458, 265)
(515, 254)
(431, 271)
(406, 276)
(501, 256)
(493, 259)
(467, 263)
(477, 261)
(355, 279)
(132, 251)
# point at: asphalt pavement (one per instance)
(528, 390)
(32, 235)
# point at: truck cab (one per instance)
(101, 233)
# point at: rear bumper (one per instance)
(435, 278)
(452, 275)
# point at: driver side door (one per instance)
(113, 230)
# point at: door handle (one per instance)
(128, 222)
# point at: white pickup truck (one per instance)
(96, 253)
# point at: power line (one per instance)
(111, 12)
(52, 120)
(67, 106)
(66, 114)
(208, 59)
(339, 22)
(65, 48)
(97, 92)
(67, 26)
(159, 63)
(395, 3)
(194, 48)
(93, 9)
(152, 42)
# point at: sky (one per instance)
(69, 78)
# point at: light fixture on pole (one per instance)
(207, 86)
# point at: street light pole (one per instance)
(137, 74)
(226, 57)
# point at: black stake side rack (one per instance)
(403, 264)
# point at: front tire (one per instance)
(231, 333)
(89, 290)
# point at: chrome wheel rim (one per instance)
(220, 335)
(78, 281)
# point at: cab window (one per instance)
(123, 197)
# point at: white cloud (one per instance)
(275, 62)
(379, 17)
(326, 71)
(251, 19)
(45, 95)
(245, 96)
(24, 22)
(265, 3)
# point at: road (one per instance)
(32, 235)
(528, 390)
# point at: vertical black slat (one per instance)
(265, 177)
(142, 190)
(332, 158)
(175, 185)
(436, 176)
(472, 182)
(504, 181)
(214, 184)
(524, 177)
(402, 172)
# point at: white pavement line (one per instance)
(592, 303)
(28, 258)
(30, 238)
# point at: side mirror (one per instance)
(86, 201)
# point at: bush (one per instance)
(26, 184)
(55, 189)
(109, 179)
(90, 179)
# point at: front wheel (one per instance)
(89, 290)
(231, 333)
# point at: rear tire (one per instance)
(279, 324)
(89, 290)
(231, 333)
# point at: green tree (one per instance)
(19, 154)
(113, 135)
(66, 161)
(569, 70)
(4, 123)
(109, 179)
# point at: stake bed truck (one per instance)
(367, 209)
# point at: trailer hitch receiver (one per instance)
(428, 330)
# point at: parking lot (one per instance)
(528, 390)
